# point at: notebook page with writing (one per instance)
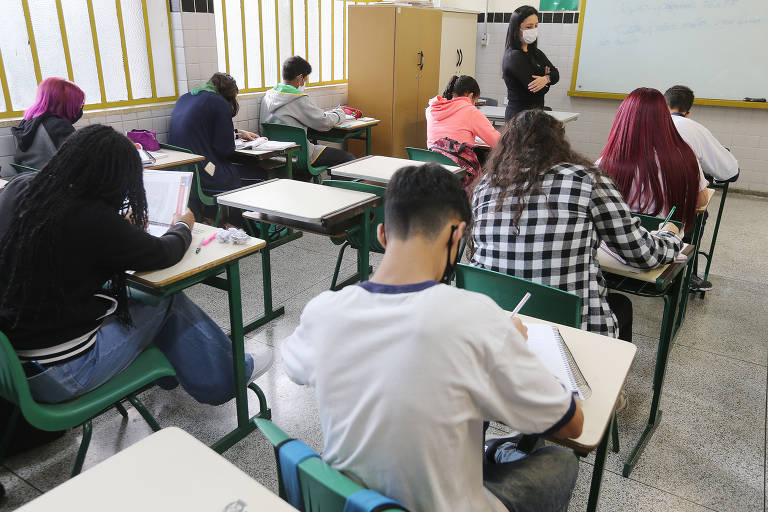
(545, 341)
(167, 194)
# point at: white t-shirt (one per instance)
(714, 159)
(405, 377)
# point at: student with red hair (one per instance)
(652, 166)
(48, 122)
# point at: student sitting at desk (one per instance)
(652, 166)
(453, 122)
(201, 122)
(64, 233)
(48, 122)
(288, 104)
(447, 358)
(541, 211)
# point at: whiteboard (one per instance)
(719, 48)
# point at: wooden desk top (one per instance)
(264, 154)
(605, 364)
(357, 124)
(297, 201)
(173, 158)
(710, 193)
(213, 254)
(378, 169)
(608, 264)
(168, 470)
(498, 113)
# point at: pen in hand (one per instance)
(668, 217)
(521, 303)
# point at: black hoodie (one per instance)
(37, 139)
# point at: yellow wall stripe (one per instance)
(173, 49)
(31, 36)
(226, 37)
(4, 83)
(245, 53)
(95, 38)
(261, 45)
(149, 47)
(125, 50)
(277, 39)
(65, 41)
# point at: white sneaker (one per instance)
(262, 361)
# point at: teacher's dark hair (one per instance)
(461, 86)
(227, 87)
(513, 31)
(680, 98)
(94, 164)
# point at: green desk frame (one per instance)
(230, 284)
(709, 254)
(669, 286)
(338, 136)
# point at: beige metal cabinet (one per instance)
(458, 46)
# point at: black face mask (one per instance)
(450, 268)
(78, 116)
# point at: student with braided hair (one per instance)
(65, 232)
(453, 122)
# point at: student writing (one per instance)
(541, 210)
(407, 341)
(64, 233)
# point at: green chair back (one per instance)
(425, 155)
(354, 234)
(546, 303)
(298, 136)
(23, 168)
(323, 488)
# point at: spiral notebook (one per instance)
(546, 342)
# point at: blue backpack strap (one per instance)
(292, 453)
(369, 500)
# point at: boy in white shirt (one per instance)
(406, 369)
(715, 160)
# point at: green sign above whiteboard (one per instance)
(559, 5)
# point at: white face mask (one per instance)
(530, 35)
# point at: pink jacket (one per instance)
(460, 120)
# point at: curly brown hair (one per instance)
(227, 87)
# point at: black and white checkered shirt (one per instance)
(560, 232)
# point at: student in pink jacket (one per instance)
(453, 122)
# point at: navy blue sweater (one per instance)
(203, 124)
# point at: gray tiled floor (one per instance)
(707, 454)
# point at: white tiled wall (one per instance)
(744, 131)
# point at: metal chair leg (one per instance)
(338, 265)
(87, 431)
(151, 421)
(264, 411)
(121, 410)
(615, 433)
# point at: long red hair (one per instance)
(642, 133)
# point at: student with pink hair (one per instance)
(48, 122)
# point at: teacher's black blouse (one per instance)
(518, 69)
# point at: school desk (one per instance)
(318, 209)
(205, 267)
(263, 155)
(165, 158)
(354, 129)
(167, 470)
(605, 364)
(497, 114)
(668, 283)
(379, 169)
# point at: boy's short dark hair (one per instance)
(420, 200)
(295, 66)
(680, 98)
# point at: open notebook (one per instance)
(546, 342)
(262, 144)
(167, 194)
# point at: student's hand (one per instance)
(187, 218)
(520, 326)
(669, 227)
(538, 83)
(246, 135)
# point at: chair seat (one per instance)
(147, 368)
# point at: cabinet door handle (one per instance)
(421, 60)
(458, 57)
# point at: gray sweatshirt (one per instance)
(287, 105)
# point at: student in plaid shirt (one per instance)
(541, 211)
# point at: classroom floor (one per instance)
(708, 453)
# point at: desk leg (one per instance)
(368, 140)
(238, 341)
(711, 252)
(597, 472)
(289, 165)
(266, 280)
(365, 250)
(671, 300)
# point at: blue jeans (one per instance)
(540, 482)
(194, 344)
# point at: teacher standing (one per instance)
(527, 72)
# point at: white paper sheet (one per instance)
(167, 194)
